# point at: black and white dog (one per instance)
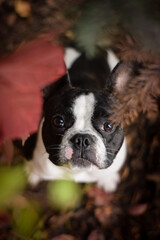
(75, 138)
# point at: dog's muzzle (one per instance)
(84, 153)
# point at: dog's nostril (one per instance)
(86, 142)
(78, 141)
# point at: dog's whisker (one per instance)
(60, 134)
(112, 154)
(55, 147)
(55, 155)
(111, 149)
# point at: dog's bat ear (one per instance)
(51, 89)
(123, 73)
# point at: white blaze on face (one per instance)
(83, 110)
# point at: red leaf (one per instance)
(22, 76)
(138, 209)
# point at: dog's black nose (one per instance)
(80, 141)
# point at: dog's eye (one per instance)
(107, 126)
(58, 122)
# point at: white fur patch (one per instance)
(83, 111)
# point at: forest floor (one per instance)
(130, 213)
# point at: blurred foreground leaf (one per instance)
(22, 76)
(12, 181)
(27, 220)
(95, 25)
(101, 20)
(64, 194)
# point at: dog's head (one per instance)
(76, 130)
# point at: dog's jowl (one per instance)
(76, 140)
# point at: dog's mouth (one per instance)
(76, 159)
(79, 158)
(82, 163)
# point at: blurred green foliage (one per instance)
(100, 20)
(26, 220)
(64, 195)
(12, 181)
(92, 27)
(27, 215)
